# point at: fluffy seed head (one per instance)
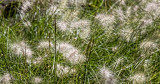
(22, 48)
(77, 2)
(27, 24)
(114, 49)
(153, 8)
(53, 10)
(62, 25)
(83, 26)
(26, 4)
(106, 20)
(138, 78)
(45, 44)
(107, 76)
(148, 45)
(118, 61)
(85, 32)
(146, 22)
(80, 24)
(120, 14)
(70, 53)
(6, 78)
(128, 12)
(146, 63)
(63, 71)
(37, 80)
(127, 34)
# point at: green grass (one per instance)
(97, 48)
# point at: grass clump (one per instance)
(95, 41)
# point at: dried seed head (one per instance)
(138, 78)
(27, 24)
(54, 10)
(37, 80)
(63, 71)
(105, 19)
(107, 76)
(45, 44)
(128, 34)
(148, 45)
(6, 79)
(153, 8)
(22, 48)
(62, 25)
(70, 53)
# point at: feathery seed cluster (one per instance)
(63, 71)
(138, 78)
(107, 76)
(37, 80)
(6, 79)
(70, 53)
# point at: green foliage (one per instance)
(98, 47)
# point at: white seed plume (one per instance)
(148, 45)
(62, 25)
(77, 2)
(63, 4)
(120, 14)
(6, 79)
(122, 2)
(107, 76)
(127, 34)
(135, 9)
(146, 64)
(83, 26)
(114, 49)
(80, 24)
(45, 44)
(26, 4)
(105, 19)
(27, 24)
(22, 48)
(146, 22)
(54, 10)
(63, 71)
(70, 53)
(118, 61)
(138, 78)
(153, 8)
(128, 12)
(85, 32)
(37, 80)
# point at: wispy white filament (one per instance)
(63, 71)
(107, 76)
(138, 78)
(6, 79)
(71, 53)
(22, 48)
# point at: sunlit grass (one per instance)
(115, 50)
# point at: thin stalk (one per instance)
(55, 51)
